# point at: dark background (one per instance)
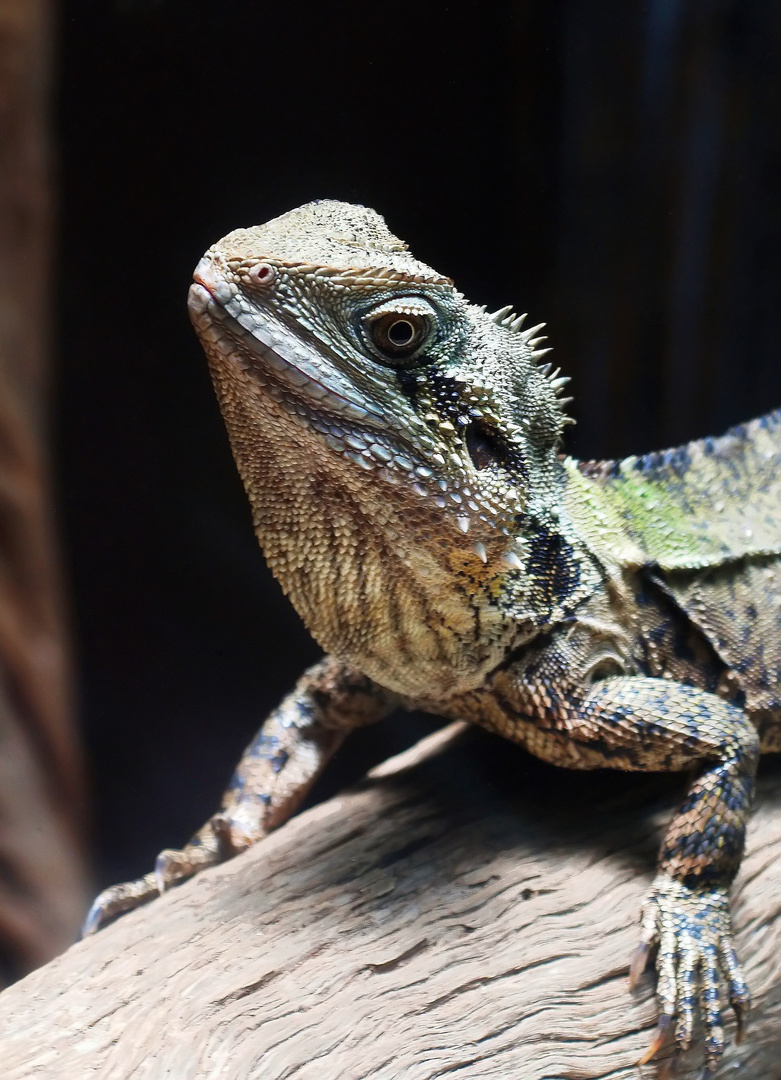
(613, 168)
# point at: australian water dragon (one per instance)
(401, 451)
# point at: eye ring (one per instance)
(398, 334)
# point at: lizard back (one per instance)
(707, 519)
(704, 504)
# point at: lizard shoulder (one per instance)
(704, 504)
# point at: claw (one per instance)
(116, 900)
(93, 919)
(742, 1018)
(739, 997)
(171, 867)
(661, 1035)
(639, 963)
(164, 877)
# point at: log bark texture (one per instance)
(465, 911)
(42, 872)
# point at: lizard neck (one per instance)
(381, 579)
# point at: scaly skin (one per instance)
(400, 449)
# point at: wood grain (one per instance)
(465, 911)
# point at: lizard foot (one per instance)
(692, 929)
(220, 838)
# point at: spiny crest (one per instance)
(531, 338)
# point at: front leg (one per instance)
(638, 723)
(275, 773)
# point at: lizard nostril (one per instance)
(262, 274)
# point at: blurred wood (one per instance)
(41, 789)
(465, 910)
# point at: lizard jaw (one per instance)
(322, 392)
(321, 399)
(281, 355)
(290, 378)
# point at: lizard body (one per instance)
(401, 452)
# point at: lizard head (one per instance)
(370, 406)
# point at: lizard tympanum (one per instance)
(401, 451)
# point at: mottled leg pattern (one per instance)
(638, 723)
(275, 773)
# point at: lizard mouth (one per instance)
(269, 351)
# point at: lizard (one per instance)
(402, 453)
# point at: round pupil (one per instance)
(401, 332)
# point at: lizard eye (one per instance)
(397, 335)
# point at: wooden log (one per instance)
(465, 911)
